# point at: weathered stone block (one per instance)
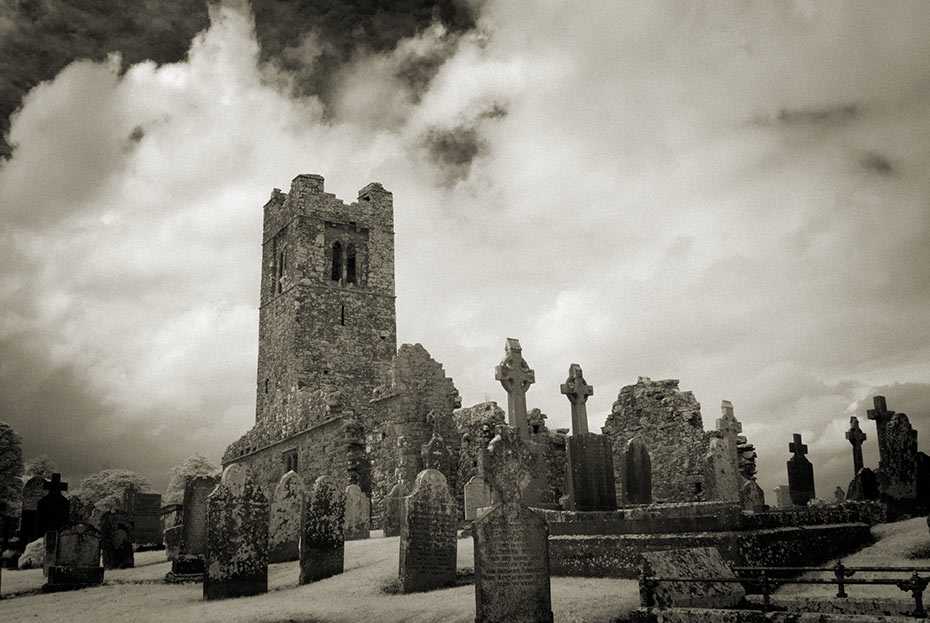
(428, 535)
(696, 562)
(358, 514)
(284, 520)
(589, 477)
(322, 544)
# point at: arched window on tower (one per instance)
(279, 273)
(350, 263)
(337, 262)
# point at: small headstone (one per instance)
(697, 562)
(33, 490)
(172, 541)
(392, 505)
(53, 511)
(783, 497)
(75, 558)
(800, 474)
(187, 565)
(236, 561)
(322, 545)
(358, 514)
(144, 511)
(284, 527)
(477, 495)
(751, 497)
(722, 480)
(839, 495)
(864, 486)
(116, 540)
(511, 541)
(428, 535)
(637, 473)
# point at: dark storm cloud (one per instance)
(876, 163)
(453, 150)
(832, 116)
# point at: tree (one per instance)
(41, 465)
(11, 468)
(197, 465)
(104, 490)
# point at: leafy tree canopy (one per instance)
(197, 465)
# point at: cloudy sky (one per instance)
(733, 195)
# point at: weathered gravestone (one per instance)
(800, 474)
(116, 540)
(511, 541)
(783, 497)
(75, 558)
(839, 495)
(172, 541)
(392, 506)
(856, 437)
(322, 544)
(33, 490)
(897, 453)
(698, 562)
(53, 511)
(589, 469)
(144, 512)
(428, 535)
(722, 480)
(284, 528)
(358, 514)
(637, 473)
(187, 565)
(864, 486)
(751, 497)
(236, 561)
(478, 494)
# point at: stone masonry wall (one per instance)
(669, 422)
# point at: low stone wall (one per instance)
(647, 519)
(707, 615)
(800, 517)
(800, 546)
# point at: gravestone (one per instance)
(116, 532)
(722, 480)
(435, 455)
(144, 512)
(477, 495)
(33, 490)
(751, 497)
(589, 467)
(53, 510)
(800, 474)
(187, 565)
(284, 520)
(428, 535)
(322, 545)
(783, 497)
(511, 541)
(897, 452)
(358, 514)
(392, 505)
(856, 437)
(839, 495)
(172, 541)
(75, 561)
(696, 562)
(236, 560)
(864, 486)
(637, 473)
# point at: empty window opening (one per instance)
(337, 262)
(350, 263)
(535, 429)
(342, 316)
(279, 271)
(290, 461)
(266, 386)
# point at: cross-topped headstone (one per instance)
(856, 437)
(577, 391)
(55, 484)
(796, 446)
(516, 377)
(881, 414)
(53, 510)
(800, 474)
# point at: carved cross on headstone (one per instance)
(516, 377)
(881, 415)
(856, 437)
(796, 446)
(508, 464)
(55, 485)
(577, 391)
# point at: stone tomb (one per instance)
(322, 544)
(358, 514)
(694, 562)
(187, 565)
(800, 474)
(236, 563)
(75, 559)
(428, 535)
(511, 541)
(284, 527)
(637, 473)
(117, 540)
(391, 508)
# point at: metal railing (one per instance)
(764, 580)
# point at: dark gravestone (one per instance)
(33, 490)
(53, 511)
(897, 453)
(856, 437)
(284, 528)
(800, 474)
(322, 544)
(637, 473)
(236, 562)
(864, 486)
(187, 565)
(144, 511)
(117, 540)
(923, 480)
(392, 506)
(428, 535)
(511, 541)
(358, 514)
(75, 559)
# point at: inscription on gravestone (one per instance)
(428, 535)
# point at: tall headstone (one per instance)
(800, 474)
(358, 514)
(54, 510)
(322, 544)
(391, 508)
(236, 560)
(116, 532)
(144, 512)
(187, 565)
(589, 469)
(637, 473)
(511, 541)
(33, 490)
(75, 558)
(856, 437)
(428, 535)
(284, 521)
(722, 480)
(897, 453)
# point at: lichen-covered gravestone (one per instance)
(751, 497)
(358, 514)
(477, 495)
(236, 562)
(391, 507)
(722, 480)
(637, 473)
(428, 535)
(187, 565)
(117, 540)
(284, 528)
(322, 544)
(75, 559)
(511, 541)
(683, 563)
